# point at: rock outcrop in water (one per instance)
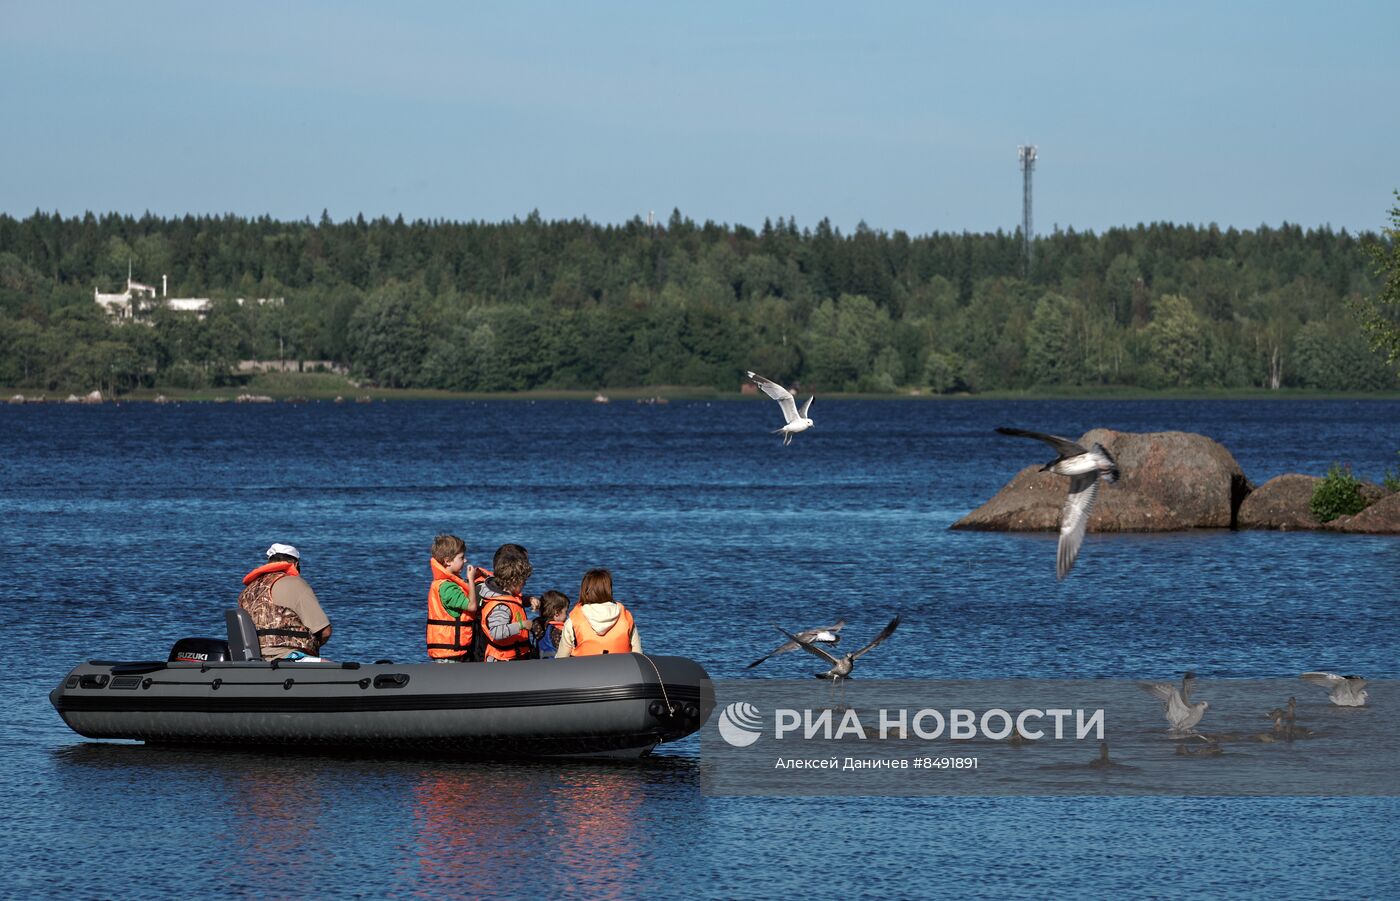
(1285, 502)
(1381, 518)
(1174, 481)
(1170, 481)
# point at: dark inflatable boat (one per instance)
(222, 693)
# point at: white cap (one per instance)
(284, 549)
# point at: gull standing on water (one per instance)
(1345, 691)
(1083, 468)
(1182, 715)
(829, 635)
(796, 422)
(841, 667)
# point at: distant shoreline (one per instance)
(318, 388)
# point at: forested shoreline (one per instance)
(535, 304)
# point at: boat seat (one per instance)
(242, 636)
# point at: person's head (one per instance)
(511, 568)
(284, 553)
(553, 605)
(596, 587)
(451, 552)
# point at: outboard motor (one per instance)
(199, 650)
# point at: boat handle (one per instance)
(391, 680)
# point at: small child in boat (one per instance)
(504, 624)
(453, 615)
(549, 626)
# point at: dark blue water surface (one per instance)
(126, 527)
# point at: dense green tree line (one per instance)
(1380, 313)
(574, 304)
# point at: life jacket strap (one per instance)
(286, 633)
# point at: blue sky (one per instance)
(905, 115)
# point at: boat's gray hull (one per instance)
(615, 705)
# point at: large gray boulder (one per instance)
(1170, 481)
(1381, 518)
(1281, 503)
(1285, 502)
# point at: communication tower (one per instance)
(1026, 154)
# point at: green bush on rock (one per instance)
(1338, 494)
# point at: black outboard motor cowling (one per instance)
(199, 650)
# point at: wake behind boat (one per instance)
(223, 693)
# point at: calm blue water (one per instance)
(127, 527)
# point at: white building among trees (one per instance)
(138, 300)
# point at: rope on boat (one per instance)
(659, 681)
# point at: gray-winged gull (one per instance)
(1182, 715)
(1083, 468)
(826, 635)
(1344, 691)
(841, 667)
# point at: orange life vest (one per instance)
(514, 646)
(281, 567)
(617, 640)
(277, 626)
(448, 635)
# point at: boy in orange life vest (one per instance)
(506, 628)
(284, 609)
(598, 624)
(452, 607)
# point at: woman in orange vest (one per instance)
(504, 623)
(598, 624)
(452, 609)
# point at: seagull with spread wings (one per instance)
(841, 667)
(1083, 468)
(1344, 691)
(827, 635)
(796, 422)
(1182, 715)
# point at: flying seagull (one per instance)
(1345, 691)
(1182, 715)
(1083, 468)
(828, 635)
(841, 667)
(795, 422)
